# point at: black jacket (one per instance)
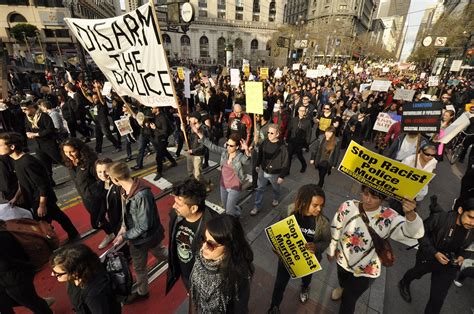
(8, 180)
(68, 110)
(96, 297)
(47, 133)
(273, 158)
(160, 133)
(87, 184)
(299, 130)
(174, 271)
(438, 232)
(195, 144)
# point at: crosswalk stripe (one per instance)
(215, 207)
(162, 183)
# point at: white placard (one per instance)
(363, 87)
(457, 126)
(404, 94)
(433, 80)
(129, 52)
(321, 67)
(187, 83)
(106, 89)
(296, 66)
(384, 122)
(422, 75)
(234, 77)
(312, 73)
(328, 72)
(380, 86)
(278, 73)
(123, 126)
(305, 67)
(386, 70)
(456, 66)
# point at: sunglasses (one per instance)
(326, 108)
(56, 274)
(211, 245)
(271, 133)
(228, 145)
(429, 155)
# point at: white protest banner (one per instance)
(328, 72)
(433, 80)
(296, 66)
(278, 73)
(123, 126)
(311, 73)
(129, 52)
(187, 83)
(404, 94)
(106, 89)
(457, 126)
(234, 77)
(363, 87)
(305, 67)
(380, 86)
(456, 66)
(386, 70)
(321, 67)
(422, 75)
(384, 122)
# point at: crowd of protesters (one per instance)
(206, 250)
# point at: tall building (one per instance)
(131, 5)
(294, 10)
(455, 7)
(246, 26)
(427, 22)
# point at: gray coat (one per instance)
(316, 152)
(237, 163)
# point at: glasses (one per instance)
(211, 245)
(229, 145)
(56, 274)
(271, 133)
(429, 155)
(326, 108)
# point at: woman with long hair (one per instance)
(221, 275)
(325, 153)
(88, 285)
(80, 160)
(307, 208)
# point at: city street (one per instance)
(383, 297)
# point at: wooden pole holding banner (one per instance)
(418, 140)
(155, 17)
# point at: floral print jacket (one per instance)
(351, 242)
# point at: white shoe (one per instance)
(337, 293)
(457, 283)
(108, 238)
(254, 211)
(275, 203)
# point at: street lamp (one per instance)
(27, 45)
(59, 48)
(42, 49)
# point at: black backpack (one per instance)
(119, 273)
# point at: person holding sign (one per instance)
(223, 269)
(307, 209)
(358, 234)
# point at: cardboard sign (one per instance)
(364, 86)
(404, 94)
(422, 75)
(433, 80)
(422, 116)
(386, 70)
(380, 86)
(288, 241)
(455, 128)
(123, 126)
(312, 73)
(383, 174)
(456, 66)
(181, 73)
(295, 67)
(254, 97)
(385, 121)
(234, 77)
(106, 89)
(263, 73)
(129, 52)
(187, 83)
(246, 69)
(278, 74)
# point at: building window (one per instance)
(221, 4)
(221, 15)
(17, 18)
(239, 5)
(166, 39)
(185, 41)
(60, 33)
(204, 47)
(202, 13)
(255, 18)
(239, 16)
(202, 4)
(256, 6)
(254, 44)
(238, 53)
(272, 11)
(15, 2)
(221, 50)
(343, 7)
(49, 3)
(185, 47)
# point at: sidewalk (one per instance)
(323, 282)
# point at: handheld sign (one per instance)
(385, 121)
(123, 126)
(422, 116)
(254, 97)
(246, 69)
(383, 174)
(106, 89)
(181, 73)
(380, 86)
(433, 80)
(234, 77)
(263, 73)
(404, 94)
(129, 52)
(288, 241)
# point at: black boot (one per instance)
(404, 289)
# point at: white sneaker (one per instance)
(457, 283)
(337, 293)
(254, 211)
(108, 238)
(275, 203)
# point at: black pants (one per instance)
(143, 141)
(97, 213)
(353, 286)
(80, 127)
(466, 272)
(49, 155)
(281, 282)
(296, 148)
(56, 214)
(17, 289)
(102, 129)
(442, 277)
(161, 152)
(323, 169)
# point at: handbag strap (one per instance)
(365, 219)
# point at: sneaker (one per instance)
(404, 291)
(275, 203)
(136, 168)
(273, 310)
(118, 149)
(337, 293)
(157, 177)
(135, 297)
(254, 211)
(108, 238)
(50, 301)
(457, 283)
(304, 294)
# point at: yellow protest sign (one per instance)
(263, 73)
(254, 97)
(181, 73)
(383, 174)
(288, 241)
(246, 68)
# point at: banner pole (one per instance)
(418, 140)
(155, 17)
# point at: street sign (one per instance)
(440, 41)
(427, 41)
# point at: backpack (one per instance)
(119, 273)
(37, 238)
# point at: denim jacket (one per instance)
(237, 163)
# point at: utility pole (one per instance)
(59, 48)
(42, 49)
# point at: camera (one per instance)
(452, 258)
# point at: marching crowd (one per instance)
(209, 251)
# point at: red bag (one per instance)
(37, 238)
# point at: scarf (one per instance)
(207, 286)
(34, 119)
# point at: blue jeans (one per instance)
(229, 199)
(143, 141)
(263, 179)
